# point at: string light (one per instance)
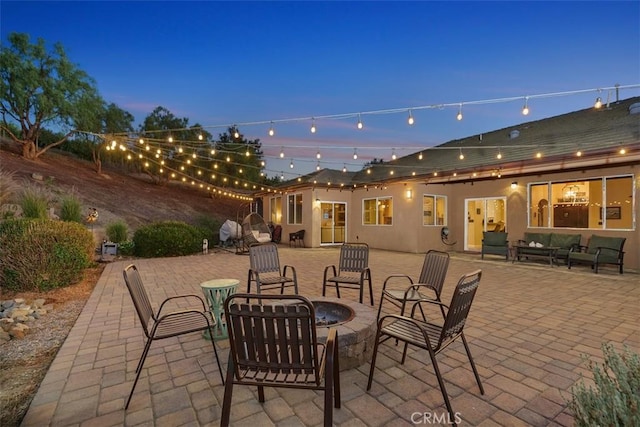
(461, 156)
(410, 119)
(271, 130)
(355, 154)
(393, 154)
(200, 137)
(291, 164)
(344, 168)
(525, 109)
(360, 125)
(170, 139)
(313, 126)
(420, 156)
(459, 116)
(579, 153)
(598, 103)
(499, 156)
(318, 166)
(282, 152)
(318, 155)
(236, 134)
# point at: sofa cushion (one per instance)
(606, 255)
(564, 241)
(543, 238)
(492, 238)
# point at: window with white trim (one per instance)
(377, 211)
(294, 209)
(434, 210)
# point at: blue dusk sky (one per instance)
(250, 63)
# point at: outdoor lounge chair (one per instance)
(166, 324)
(273, 343)
(353, 270)
(495, 243)
(431, 335)
(600, 250)
(428, 286)
(266, 272)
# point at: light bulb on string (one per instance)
(271, 130)
(318, 166)
(579, 153)
(236, 134)
(291, 164)
(359, 125)
(355, 154)
(499, 155)
(170, 139)
(525, 109)
(393, 154)
(313, 126)
(410, 119)
(461, 156)
(318, 155)
(200, 137)
(459, 116)
(344, 168)
(282, 176)
(598, 102)
(282, 152)
(420, 156)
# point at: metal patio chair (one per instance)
(273, 343)
(430, 335)
(166, 324)
(428, 286)
(352, 271)
(266, 272)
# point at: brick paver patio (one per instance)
(527, 330)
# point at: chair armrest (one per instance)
(293, 271)
(418, 286)
(326, 269)
(184, 296)
(408, 320)
(443, 307)
(395, 276)
(178, 313)
(331, 347)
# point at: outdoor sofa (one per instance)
(600, 250)
(565, 242)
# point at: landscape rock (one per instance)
(16, 314)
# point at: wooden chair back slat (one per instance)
(354, 257)
(434, 270)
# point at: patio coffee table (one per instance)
(216, 291)
(550, 252)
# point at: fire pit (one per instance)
(356, 325)
(329, 313)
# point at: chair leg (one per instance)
(373, 358)
(370, 289)
(138, 371)
(228, 391)
(215, 352)
(328, 394)
(473, 365)
(443, 389)
(336, 376)
(261, 394)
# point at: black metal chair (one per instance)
(296, 238)
(352, 272)
(167, 324)
(265, 269)
(273, 343)
(431, 280)
(432, 336)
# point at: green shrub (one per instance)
(167, 238)
(615, 400)
(71, 209)
(126, 248)
(39, 255)
(117, 231)
(34, 202)
(210, 227)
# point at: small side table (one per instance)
(216, 292)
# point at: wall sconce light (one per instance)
(514, 185)
(408, 194)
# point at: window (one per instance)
(378, 211)
(275, 212)
(434, 210)
(599, 203)
(294, 212)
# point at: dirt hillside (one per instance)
(133, 198)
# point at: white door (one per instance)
(485, 214)
(333, 223)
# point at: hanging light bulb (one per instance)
(247, 152)
(461, 156)
(393, 154)
(410, 119)
(459, 116)
(200, 137)
(360, 125)
(271, 130)
(499, 156)
(236, 134)
(282, 176)
(141, 141)
(344, 168)
(598, 103)
(525, 109)
(579, 153)
(318, 155)
(170, 139)
(282, 152)
(420, 156)
(538, 155)
(355, 154)
(291, 164)
(313, 125)
(318, 166)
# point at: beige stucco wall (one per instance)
(407, 234)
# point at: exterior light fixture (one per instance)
(318, 166)
(200, 137)
(291, 164)
(514, 185)
(525, 109)
(236, 134)
(598, 103)
(499, 155)
(355, 154)
(579, 153)
(420, 156)
(393, 154)
(410, 119)
(282, 152)
(313, 126)
(170, 139)
(461, 156)
(359, 125)
(318, 155)
(408, 194)
(459, 116)
(271, 130)
(344, 168)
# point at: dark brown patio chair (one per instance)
(353, 270)
(428, 286)
(297, 238)
(167, 324)
(265, 269)
(431, 335)
(273, 343)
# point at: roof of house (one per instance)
(598, 134)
